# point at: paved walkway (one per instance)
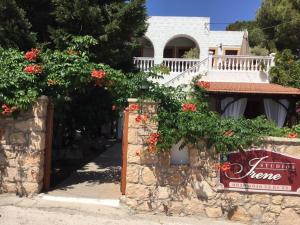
(36, 211)
(99, 179)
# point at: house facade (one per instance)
(239, 82)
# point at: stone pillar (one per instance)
(22, 148)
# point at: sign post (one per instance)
(261, 171)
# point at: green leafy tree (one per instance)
(280, 20)
(14, 26)
(39, 14)
(287, 69)
(255, 34)
(115, 24)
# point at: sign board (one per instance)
(261, 171)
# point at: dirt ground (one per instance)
(36, 211)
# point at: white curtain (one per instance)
(275, 111)
(235, 109)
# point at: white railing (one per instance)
(178, 65)
(186, 76)
(143, 63)
(240, 63)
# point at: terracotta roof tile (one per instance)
(252, 88)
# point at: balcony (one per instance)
(223, 68)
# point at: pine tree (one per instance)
(115, 24)
(14, 27)
(280, 20)
(39, 14)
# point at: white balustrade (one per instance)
(241, 63)
(143, 63)
(179, 65)
(200, 68)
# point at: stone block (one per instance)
(291, 201)
(277, 200)
(18, 138)
(133, 137)
(133, 173)
(212, 212)
(137, 191)
(163, 193)
(239, 214)
(31, 188)
(263, 199)
(193, 207)
(37, 141)
(255, 211)
(148, 176)
(268, 218)
(204, 190)
(33, 124)
(288, 217)
(274, 209)
(39, 109)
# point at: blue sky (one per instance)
(220, 11)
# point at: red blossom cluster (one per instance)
(203, 84)
(223, 167)
(292, 135)
(100, 74)
(33, 69)
(113, 107)
(229, 133)
(141, 118)
(134, 107)
(189, 107)
(32, 55)
(152, 141)
(7, 110)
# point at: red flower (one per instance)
(141, 118)
(292, 135)
(152, 141)
(134, 107)
(223, 167)
(100, 74)
(113, 107)
(189, 107)
(32, 55)
(6, 109)
(33, 69)
(203, 84)
(229, 133)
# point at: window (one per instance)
(231, 52)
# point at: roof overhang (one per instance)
(252, 88)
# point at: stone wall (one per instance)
(22, 150)
(154, 185)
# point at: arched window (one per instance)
(146, 48)
(181, 47)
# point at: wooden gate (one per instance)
(48, 148)
(124, 151)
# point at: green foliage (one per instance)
(255, 34)
(191, 54)
(175, 124)
(259, 51)
(281, 22)
(16, 87)
(287, 70)
(116, 25)
(14, 26)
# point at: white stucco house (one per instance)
(239, 82)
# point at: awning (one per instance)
(251, 88)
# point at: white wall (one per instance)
(162, 29)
